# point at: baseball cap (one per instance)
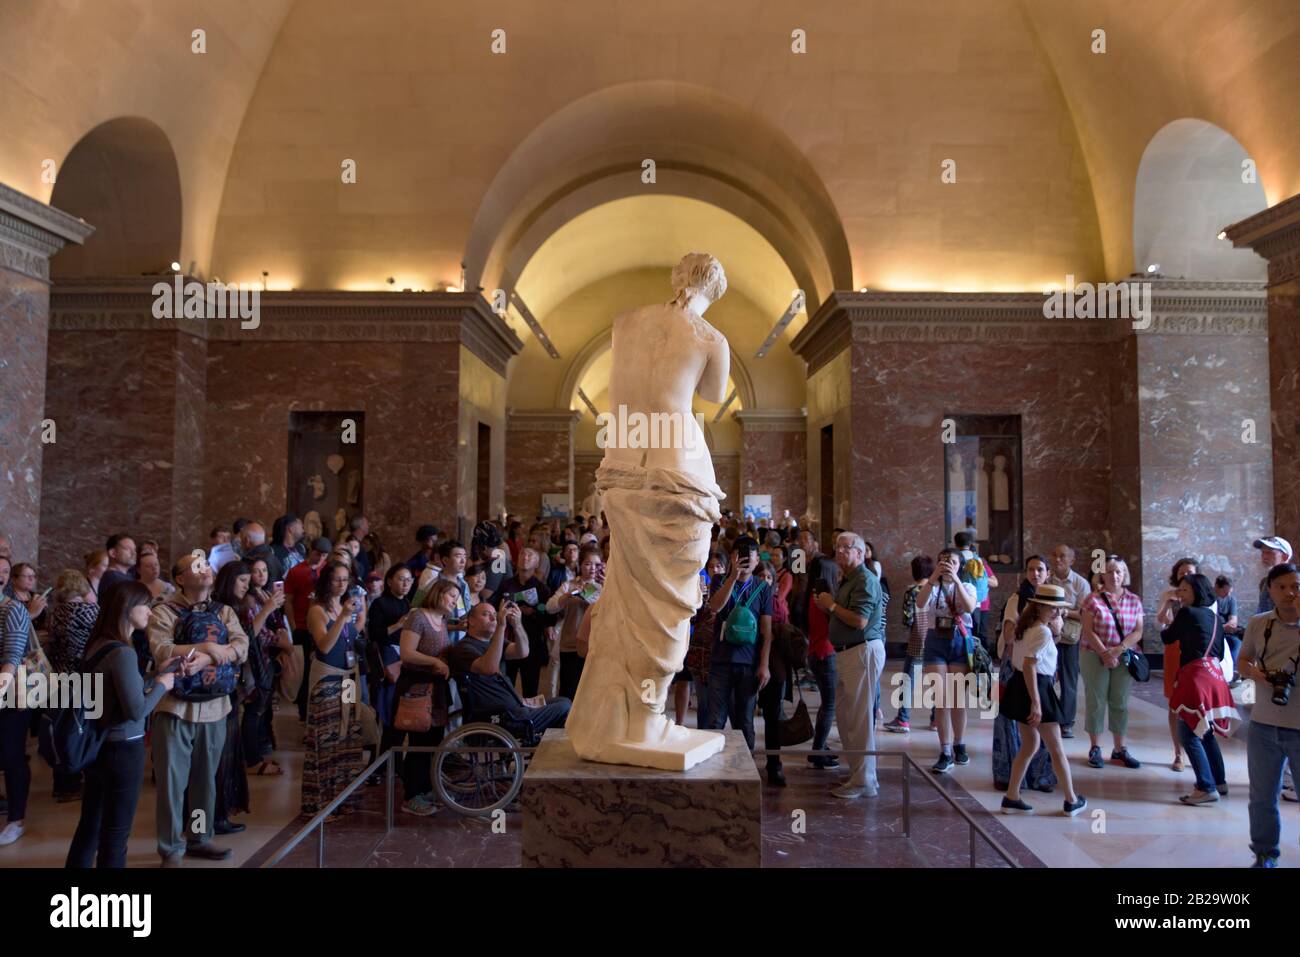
(1275, 542)
(323, 545)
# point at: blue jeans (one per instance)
(823, 670)
(1206, 758)
(1268, 748)
(733, 690)
(1234, 645)
(911, 668)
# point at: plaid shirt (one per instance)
(1129, 609)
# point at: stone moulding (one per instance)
(541, 420)
(31, 232)
(1178, 306)
(1274, 234)
(772, 420)
(127, 304)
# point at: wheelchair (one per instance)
(480, 783)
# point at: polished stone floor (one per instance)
(1134, 818)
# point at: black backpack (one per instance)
(68, 740)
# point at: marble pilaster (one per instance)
(539, 459)
(1275, 235)
(30, 233)
(773, 458)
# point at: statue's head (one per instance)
(698, 274)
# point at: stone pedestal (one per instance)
(582, 814)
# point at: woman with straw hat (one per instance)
(1031, 699)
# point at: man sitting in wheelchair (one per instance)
(475, 663)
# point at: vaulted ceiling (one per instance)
(833, 156)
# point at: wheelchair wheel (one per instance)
(478, 783)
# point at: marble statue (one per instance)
(311, 526)
(317, 486)
(981, 500)
(1001, 490)
(660, 503)
(956, 493)
(591, 504)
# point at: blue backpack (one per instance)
(67, 739)
(194, 626)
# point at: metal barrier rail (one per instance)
(386, 761)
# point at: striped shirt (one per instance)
(15, 626)
(1129, 609)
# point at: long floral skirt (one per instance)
(332, 760)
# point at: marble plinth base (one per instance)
(583, 814)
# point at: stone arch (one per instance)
(1189, 186)
(591, 152)
(122, 178)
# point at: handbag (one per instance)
(797, 728)
(1137, 663)
(415, 709)
(34, 660)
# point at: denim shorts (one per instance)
(944, 651)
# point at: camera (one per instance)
(743, 553)
(1282, 682)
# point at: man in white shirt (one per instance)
(1076, 589)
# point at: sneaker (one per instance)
(1070, 810)
(1016, 807)
(228, 827)
(11, 833)
(1288, 794)
(848, 793)
(824, 762)
(775, 776)
(934, 726)
(419, 805)
(1222, 789)
(1095, 759)
(943, 765)
(898, 727)
(959, 755)
(1200, 797)
(1121, 756)
(1045, 788)
(1067, 732)
(1265, 862)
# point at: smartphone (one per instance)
(278, 586)
(174, 666)
(46, 593)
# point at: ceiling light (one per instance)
(176, 267)
(1153, 268)
(1223, 234)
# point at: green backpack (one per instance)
(742, 626)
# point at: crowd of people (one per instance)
(374, 653)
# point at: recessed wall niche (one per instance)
(982, 485)
(326, 469)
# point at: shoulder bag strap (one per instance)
(1119, 626)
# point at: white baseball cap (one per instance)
(1276, 543)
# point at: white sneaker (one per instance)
(10, 834)
(849, 793)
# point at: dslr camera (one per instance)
(1281, 682)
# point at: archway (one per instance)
(594, 151)
(1193, 181)
(122, 178)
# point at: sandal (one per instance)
(1178, 763)
(262, 770)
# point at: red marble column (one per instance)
(30, 233)
(539, 460)
(774, 458)
(1275, 235)
(183, 424)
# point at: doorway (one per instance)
(326, 470)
